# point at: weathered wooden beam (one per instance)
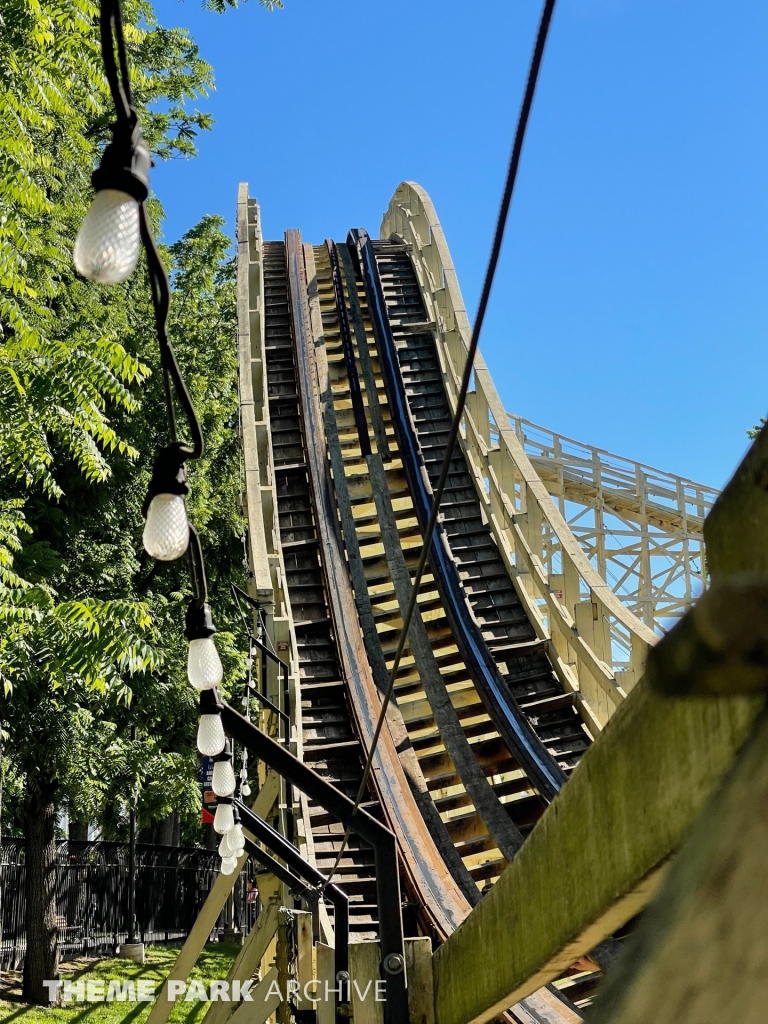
(600, 849)
(249, 958)
(261, 1004)
(700, 954)
(596, 856)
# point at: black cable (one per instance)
(161, 299)
(110, 20)
(197, 568)
(498, 238)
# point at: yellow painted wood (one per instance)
(248, 959)
(262, 1005)
(516, 500)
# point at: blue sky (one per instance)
(630, 309)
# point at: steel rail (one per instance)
(502, 708)
(495, 817)
(302, 871)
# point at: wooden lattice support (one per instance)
(575, 610)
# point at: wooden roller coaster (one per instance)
(519, 654)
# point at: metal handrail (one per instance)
(304, 871)
(367, 827)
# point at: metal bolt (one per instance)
(394, 963)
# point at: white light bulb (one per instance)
(228, 865)
(223, 819)
(204, 669)
(224, 781)
(166, 531)
(210, 735)
(236, 839)
(245, 789)
(107, 244)
(225, 850)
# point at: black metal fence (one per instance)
(92, 896)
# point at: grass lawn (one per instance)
(213, 963)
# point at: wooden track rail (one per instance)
(378, 495)
(429, 881)
(498, 643)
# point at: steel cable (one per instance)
(514, 162)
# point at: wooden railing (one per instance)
(597, 646)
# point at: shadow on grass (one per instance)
(20, 1013)
(88, 1010)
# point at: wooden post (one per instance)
(421, 991)
(283, 960)
(326, 976)
(364, 959)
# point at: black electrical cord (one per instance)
(498, 238)
(119, 81)
(161, 300)
(111, 30)
(126, 128)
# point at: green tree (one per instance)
(92, 635)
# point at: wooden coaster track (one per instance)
(488, 719)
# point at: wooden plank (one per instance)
(356, 315)
(262, 1004)
(364, 959)
(303, 924)
(395, 724)
(596, 856)
(699, 955)
(326, 976)
(213, 906)
(248, 959)
(501, 827)
(257, 542)
(435, 886)
(421, 990)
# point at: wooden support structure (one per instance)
(250, 955)
(209, 913)
(700, 955)
(596, 856)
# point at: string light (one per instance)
(166, 531)
(204, 668)
(245, 789)
(228, 865)
(109, 241)
(106, 251)
(223, 819)
(235, 836)
(224, 782)
(210, 731)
